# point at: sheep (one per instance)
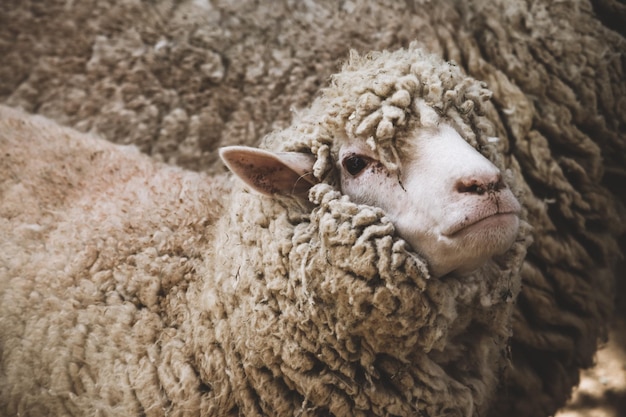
(129, 287)
(180, 79)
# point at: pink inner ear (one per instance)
(286, 173)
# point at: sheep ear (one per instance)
(269, 173)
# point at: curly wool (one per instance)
(280, 307)
(382, 97)
(567, 297)
(458, 325)
(99, 246)
(179, 79)
(334, 315)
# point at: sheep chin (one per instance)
(470, 248)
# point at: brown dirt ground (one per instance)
(602, 389)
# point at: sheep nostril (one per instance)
(470, 187)
(479, 186)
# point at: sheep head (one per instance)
(450, 202)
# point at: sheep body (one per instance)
(241, 304)
(98, 244)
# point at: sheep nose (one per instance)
(480, 183)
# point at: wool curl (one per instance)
(381, 98)
(335, 315)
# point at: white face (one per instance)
(452, 205)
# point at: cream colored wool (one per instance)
(99, 246)
(155, 291)
(178, 79)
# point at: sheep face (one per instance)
(449, 202)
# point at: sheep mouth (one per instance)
(504, 219)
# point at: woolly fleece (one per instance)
(148, 298)
(179, 79)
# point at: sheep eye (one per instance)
(355, 164)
